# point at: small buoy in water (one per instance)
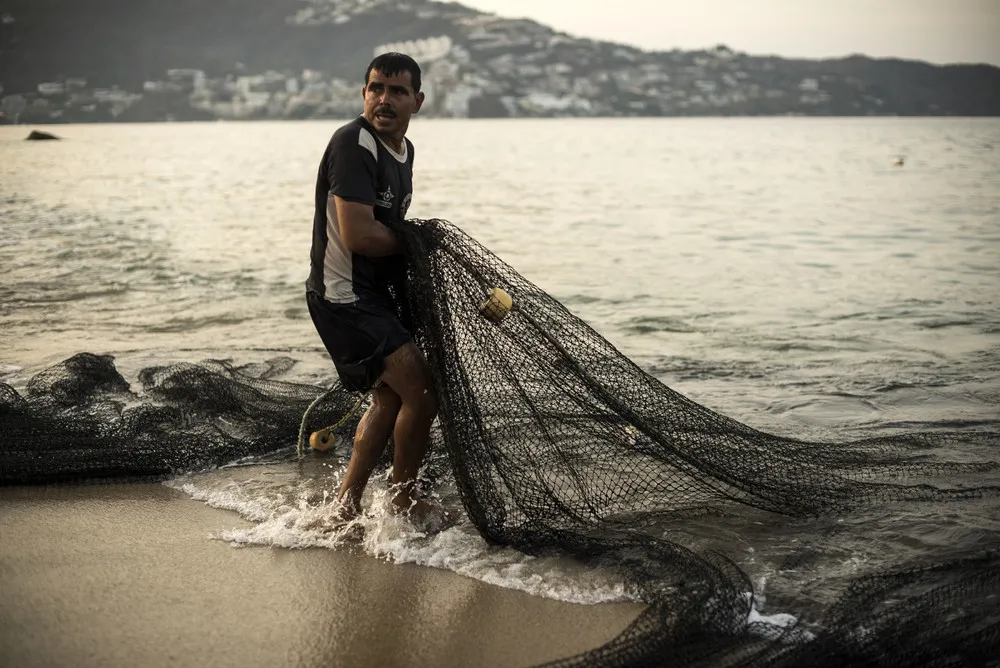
(497, 305)
(898, 162)
(321, 440)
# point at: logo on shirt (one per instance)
(384, 198)
(405, 205)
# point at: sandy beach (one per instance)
(127, 575)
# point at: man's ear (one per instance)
(363, 89)
(420, 101)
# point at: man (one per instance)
(358, 270)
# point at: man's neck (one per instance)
(394, 143)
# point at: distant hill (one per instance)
(156, 60)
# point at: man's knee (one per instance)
(408, 374)
(423, 400)
(429, 403)
(384, 398)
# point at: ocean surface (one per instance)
(781, 271)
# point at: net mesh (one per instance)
(558, 442)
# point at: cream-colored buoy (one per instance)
(497, 305)
(321, 440)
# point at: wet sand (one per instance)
(127, 575)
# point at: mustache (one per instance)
(385, 110)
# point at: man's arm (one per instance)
(359, 230)
(351, 167)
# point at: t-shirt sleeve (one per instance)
(351, 167)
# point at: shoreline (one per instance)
(126, 574)
(517, 119)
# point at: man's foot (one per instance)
(336, 522)
(427, 515)
(347, 512)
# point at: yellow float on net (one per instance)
(497, 305)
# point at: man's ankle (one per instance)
(349, 505)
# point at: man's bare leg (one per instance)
(370, 440)
(407, 373)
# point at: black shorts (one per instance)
(359, 337)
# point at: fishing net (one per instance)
(559, 443)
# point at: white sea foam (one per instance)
(780, 620)
(303, 514)
(777, 624)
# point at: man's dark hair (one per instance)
(391, 64)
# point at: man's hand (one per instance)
(359, 230)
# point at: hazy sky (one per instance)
(939, 31)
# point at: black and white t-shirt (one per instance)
(358, 167)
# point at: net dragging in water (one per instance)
(558, 442)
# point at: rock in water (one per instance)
(37, 135)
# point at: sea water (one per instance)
(785, 272)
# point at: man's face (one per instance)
(390, 101)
